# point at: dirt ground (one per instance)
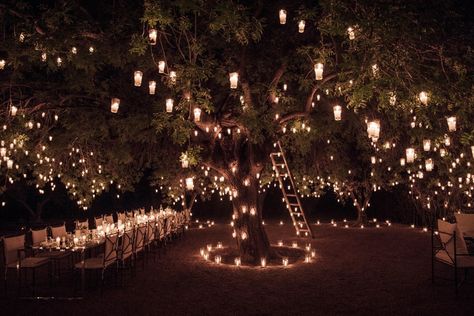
(356, 272)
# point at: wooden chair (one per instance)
(452, 251)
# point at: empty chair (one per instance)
(98, 221)
(452, 250)
(82, 224)
(38, 236)
(109, 219)
(58, 231)
(121, 217)
(125, 249)
(129, 214)
(465, 224)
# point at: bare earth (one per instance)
(357, 271)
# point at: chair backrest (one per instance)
(58, 231)
(446, 234)
(109, 219)
(84, 224)
(129, 214)
(38, 236)
(150, 232)
(110, 249)
(139, 238)
(161, 227)
(121, 217)
(11, 246)
(127, 244)
(98, 221)
(465, 222)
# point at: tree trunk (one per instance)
(249, 232)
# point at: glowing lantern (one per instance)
(152, 35)
(351, 32)
(10, 164)
(402, 162)
(284, 261)
(426, 144)
(74, 50)
(451, 123)
(3, 152)
(161, 66)
(375, 70)
(234, 79)
(59, 61)
(423, 96)
(429, 164)
(263, 262)
(152, 87)
(282, 15)
(393, 98)
(237, 261)
(447, 140)
(184, 161)
(13, 110)
(373, 160)
(189, 183)
(169, 105)
(442, 152)
(114, 105)
(44, 57)
(318, 71)
(337, 112)
(472, 151)
(373, 130)
(301, 25)
(2, 64)
(410, 153)
(218, 259)
(173, 77)
(137, 78)
(197, 114)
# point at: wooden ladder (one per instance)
(290, 195)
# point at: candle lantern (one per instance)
(152, 87)
(218, 259)
(442, 152)
(447, 140)
(284, 261)
(114, 105)
(234, 79)
(337, 112)
(392, 98)
(3, 152)
(282, 15)
(423, 96)
(451, 123)
(74, 50)
(263, 262)
(410, 153)
(318, 71)
(44, 57)
(2, 64)
(152, 35)
(429, 164)
(301, 25)
(351, 33)
(161, 66)
(197, 114)
(59, 61)
(472, 151)
(10, 164)
(373, 130)
(189, 183)
(237, 261)
(173, 77)
(169, 105)
(13, 110)
(373, 160)
(137, 78)
(426, 144)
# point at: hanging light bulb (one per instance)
(451, 123)
(282, 15)
(301, 25)
(152, 35)
(351, 33)
(423, 96)
(169, 105)
(197, 114)
(137, 78)
(114, 105)
(13, 110)
(410, 153)
(373, 130)
(161, 66)
(152, 87)
(59, 61)
(426, 144)
(173, 77)
(189, 184)
(429, 164)
(337, 109)
(234, 79)
(318, 71)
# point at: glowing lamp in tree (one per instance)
(184, 161)
(410, 154)
(197, 114)
(59, 61)
(423, 96)
(301, 25)
(451, 123)
(189, 183)
(318, 71)
(282, 16)
(351, 33)
(3, 152)
(472, 151)
(392, 98)
(161, 66)
(114, 105)
(337, 109)
(169, 105)
(402, 162)
(234, 80)
(152, 35)
(429, 164)
(10, 164)
(373, 130)
(13, 110)
(2, 64)
(152, 87)
(426, 144)
(137, 78)
(173, 77)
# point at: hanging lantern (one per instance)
(442, 152)
(373, 160)
(375, 70)
(152, 87)
(472, 151)
(169, 105)
(429, 164)
(373, 130)
(234, 79)
(351, 33)
(161, 66)
(152, 35)
(451, 123)
(10, 164)
(59, 61)
(2, 64)
(189, 184)
(137, 78)
(114, 105)
(426, 144)
(44, 57)
(74, 50)
(318, 71)
(447, 140)
(173, 77)
(337, 109)
(402, 162)
(392, 98)
(410, 153)
(301, 25)
(282, 15)
(423, 96)
(184, 161)
(197, 115)
(13, 110)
